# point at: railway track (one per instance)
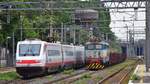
(61, 78)
(45, 79)
(119, 76)
(74, 78)
(70, 79)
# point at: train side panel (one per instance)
(53, 56)
(68, 56)
(79, 56)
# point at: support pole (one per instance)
(13, 49)
(62, 32)
(74, 36)
(21, 25)
(127, 41)
(147, 47)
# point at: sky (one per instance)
(120, 27)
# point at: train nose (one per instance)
(94, 60)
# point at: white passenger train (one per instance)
(34, 57)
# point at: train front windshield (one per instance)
(93, 50)
(94, 47)
(29, 49)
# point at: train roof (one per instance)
(31, 41)
(86, 11)
(102, 42)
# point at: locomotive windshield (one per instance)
(94, 47)
(90, 47)
(29, 49)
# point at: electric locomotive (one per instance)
(97, 54)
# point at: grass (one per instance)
(9, 76)
(1, 65)
(70, 71)
(83, 79)
(86, 76)
(99, 78)
(135, 77)
(49, 77)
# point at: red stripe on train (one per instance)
(28, 62)
(59, 63)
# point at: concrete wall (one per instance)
(5, 59)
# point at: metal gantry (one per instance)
(122, 4)
(131, 44)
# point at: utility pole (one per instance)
(21, 25)
(74, 35)
(65, 32)
(131, 44)
(7, 56)
(51, 27)
(62, 32)
(127, 45)
(147, 47)
(13, 48)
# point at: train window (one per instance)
(69, 53)
(90, 46)
(29, 49)
(98, 46)
(78, 53)
(53, 53)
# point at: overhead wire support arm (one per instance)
(122, 4)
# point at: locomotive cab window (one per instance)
(29, 49)
(90, 47)
(98, 46)
(53, 53)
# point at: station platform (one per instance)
(140, 76)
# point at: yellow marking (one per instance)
(102, 66)
(89, 65)
(92, 65)
(97, 66)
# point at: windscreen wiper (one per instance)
(32, 52)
